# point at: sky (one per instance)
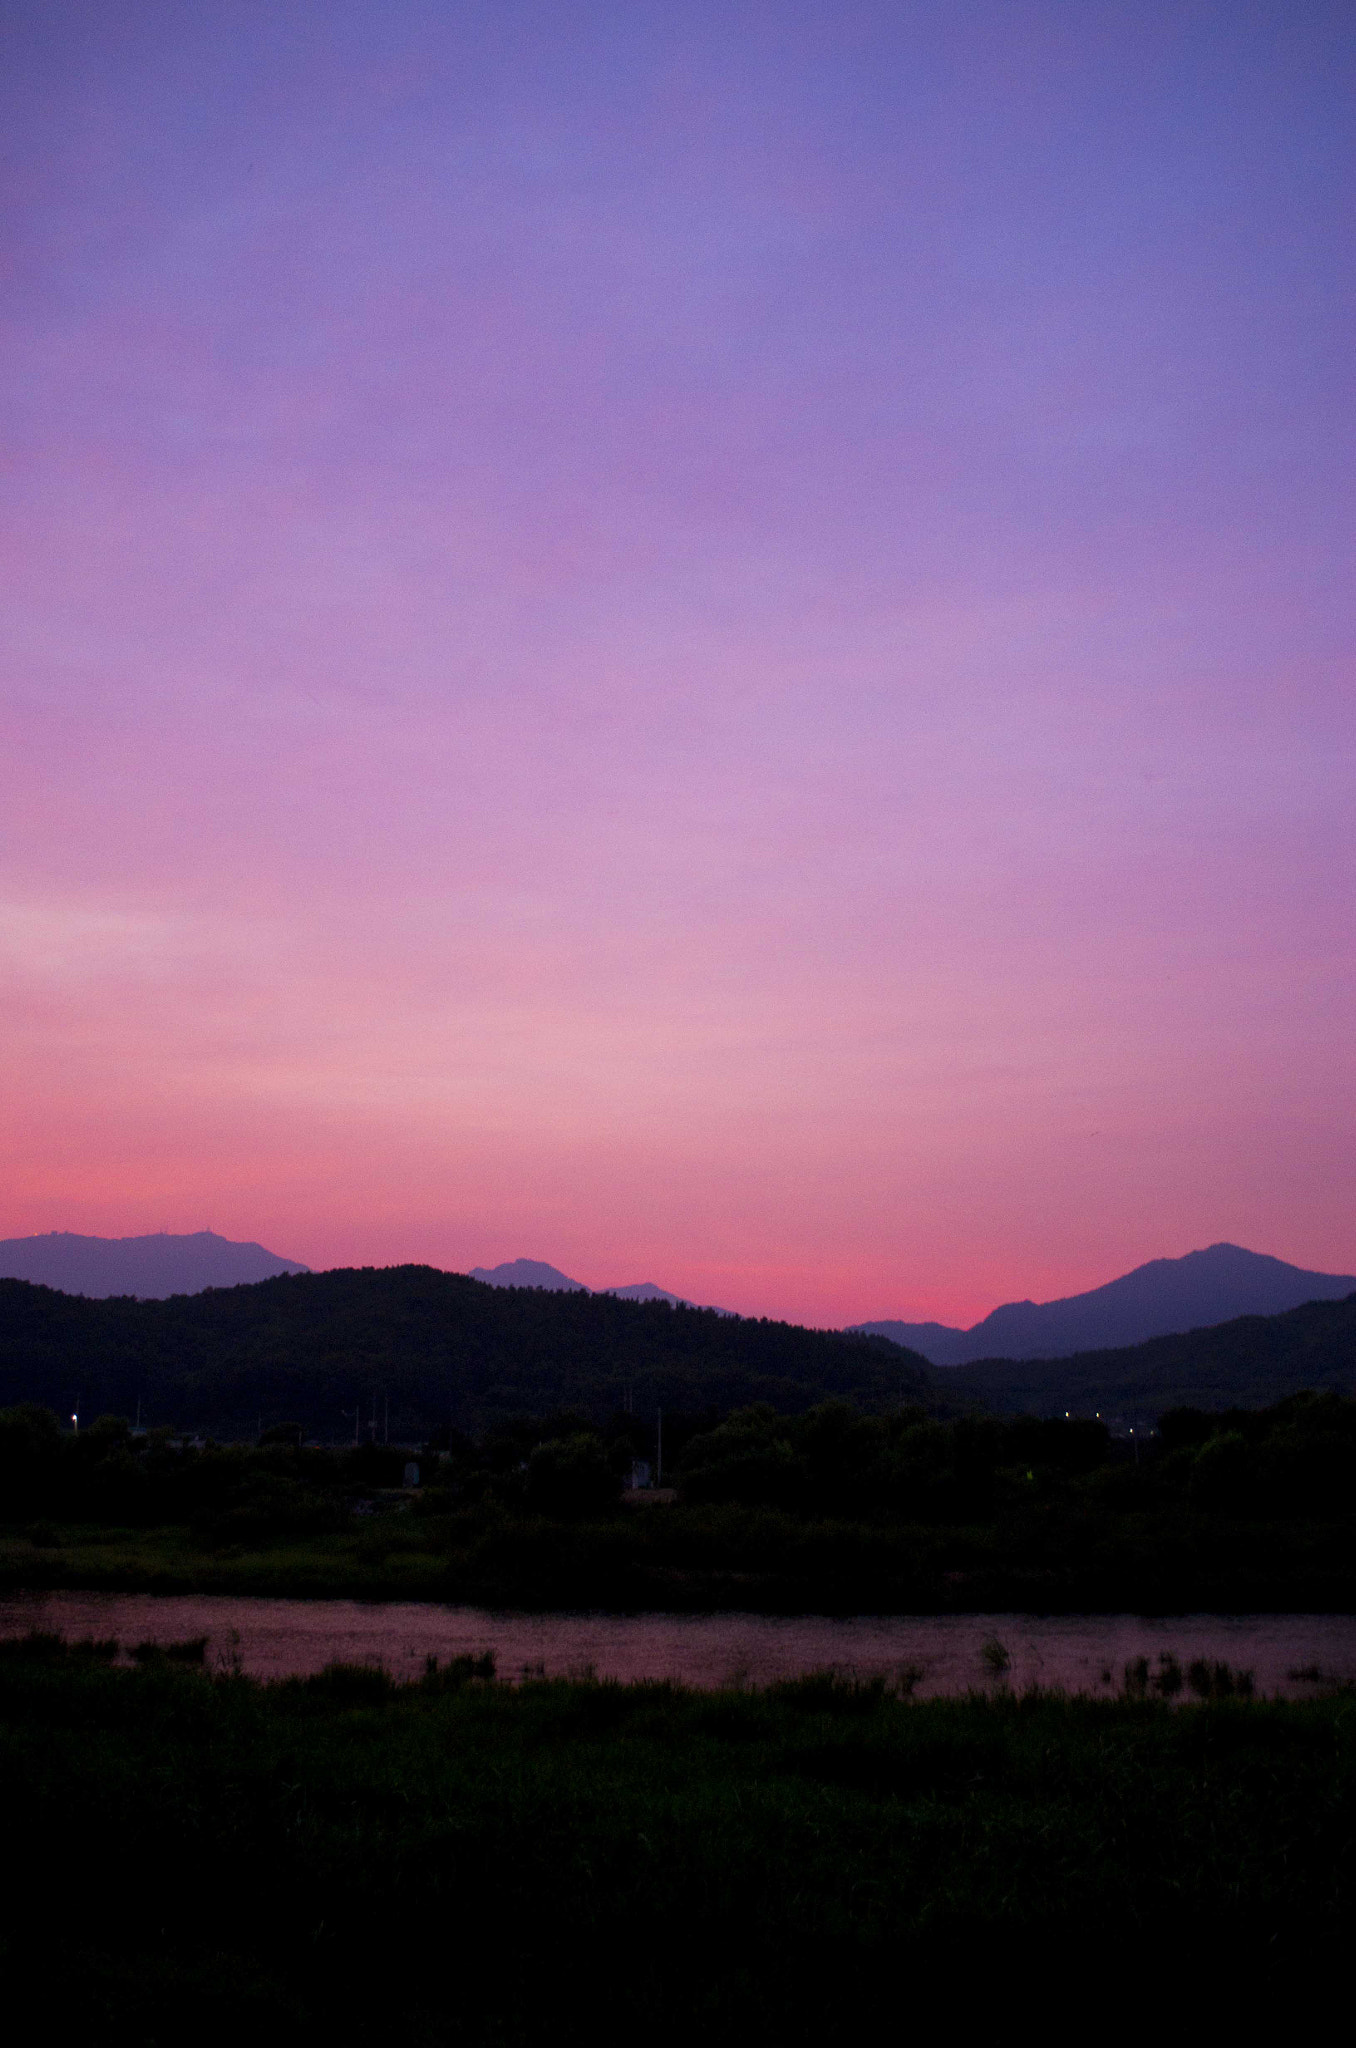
(708, 642)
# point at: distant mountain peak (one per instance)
(645, 1290)
(528, 1273)
(1158, 1299)
(151, 1267)
(536, 1273)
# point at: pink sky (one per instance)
(709, 643)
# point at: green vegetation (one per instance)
(460, 1861)
(421, 1350)
(1248, 1363)
(830, 1511)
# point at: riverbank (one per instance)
(457, 1860)
(676, 1559)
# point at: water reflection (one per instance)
(1288, 1654)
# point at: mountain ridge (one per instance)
(1247, 1362)
(537, 1273)
(151, 1267)
(1164, 1297)
(442, 1348)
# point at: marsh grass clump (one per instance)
(193, 1650)
(1211, 1680)
(457, 1672)
(1168, 1680)
(349, 1685)
(830, 1692)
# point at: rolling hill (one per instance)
(439, 1347)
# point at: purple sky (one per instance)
(710, 643)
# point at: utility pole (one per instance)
(659, 1447)
(386, 1420)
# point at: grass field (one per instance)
(457, 1860)
(728, 1556)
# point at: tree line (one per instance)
(834, 1462)
(407, 1351)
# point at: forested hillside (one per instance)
(420, 1349)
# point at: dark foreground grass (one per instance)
(339, 1859)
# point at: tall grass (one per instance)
(457, 1860)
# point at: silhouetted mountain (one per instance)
(937, 1342)
(1250, 1362)
(440, 1347)
(1155, 1300)
(645, 1290)
(527, 1273)
(534, 1273)
(149, 1267)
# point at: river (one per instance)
(1292, 1655)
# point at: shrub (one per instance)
(1222, 1479)
(351, 1685)
(571, 1477)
